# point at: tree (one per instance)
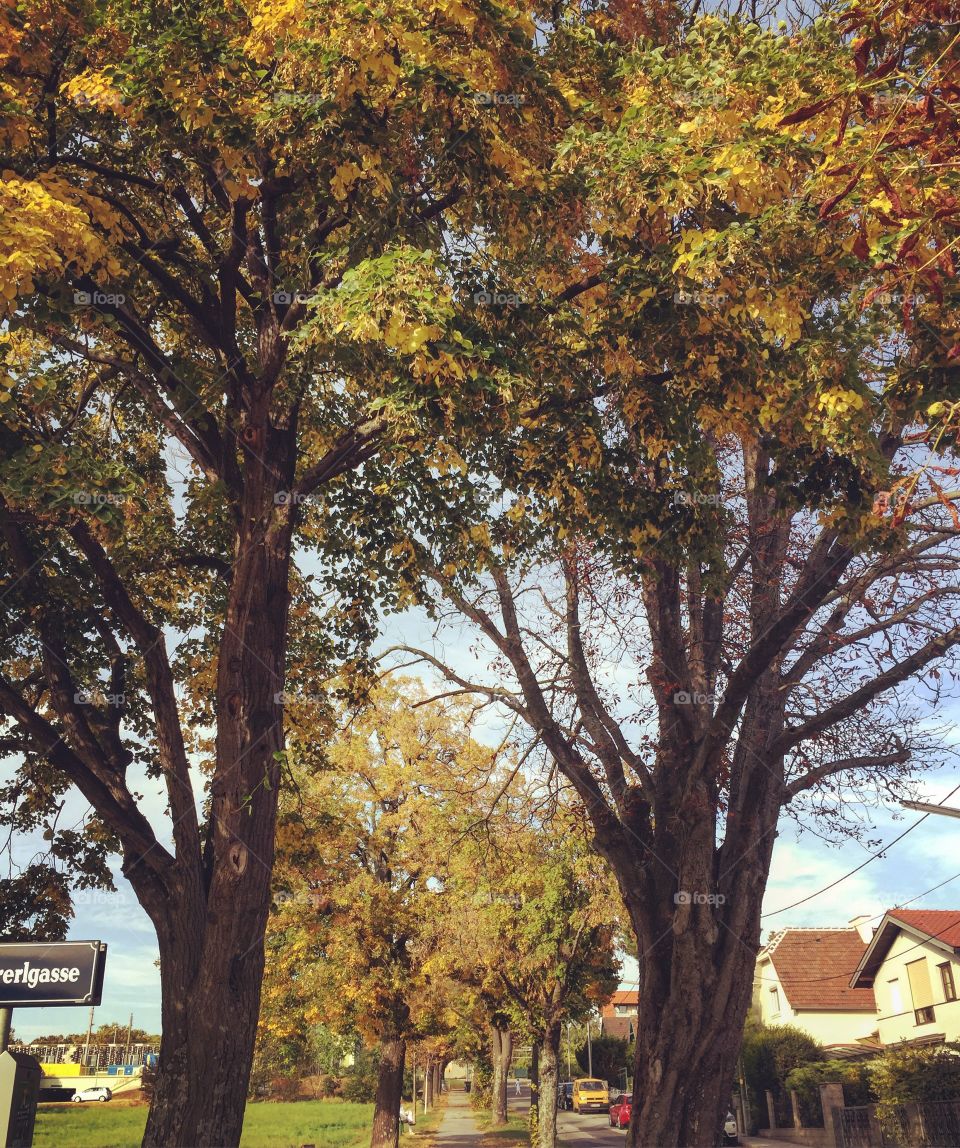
(177, 183)
(705, 602)
(609, 1057)
(361, 841)
(531, 929)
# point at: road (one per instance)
(573, 1131)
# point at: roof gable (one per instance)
(938, 927)
(815, 967)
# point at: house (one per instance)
(803, 976)
(618, 1017)
(912, 964)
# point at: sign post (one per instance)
(35, 975)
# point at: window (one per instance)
(896, 997)
(774, 1000)
(946, 980)
(918, 974)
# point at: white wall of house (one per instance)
(900, 988)
(828, 1026)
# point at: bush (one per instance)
(482, 1087)
(360, 1081)
(908, 1074)
(769, 1055)
(806, 1081)
(285, 1088)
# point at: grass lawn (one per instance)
(326, 1123)
(514, 1134)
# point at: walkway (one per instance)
(458, 1127)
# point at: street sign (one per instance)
(51, 973)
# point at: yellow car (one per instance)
(591, 1095)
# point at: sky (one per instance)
(804, 865)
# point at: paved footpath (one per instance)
(458, 1126)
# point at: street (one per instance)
(573, 1130)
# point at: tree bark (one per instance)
(428, 1081)
(212, 918)
(386, 1105)
(548, 1084)
(501, 1053)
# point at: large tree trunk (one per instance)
(428, 1081)
(548, 1084)
(696, 983)
(211, 922)
(501, 1053)
(386, 1105)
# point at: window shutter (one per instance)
(918, 973)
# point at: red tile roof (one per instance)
(943, 924)
(625, 996)
(619, 1026)
(815, 967)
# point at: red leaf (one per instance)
(861, 54)
(806, 113)
(886, 66)
(834, 200)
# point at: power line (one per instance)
(873, 856)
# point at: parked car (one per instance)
(730, 1134)
(620, 1112)
(591, 1095)
(98, 1092)
(565, 1096)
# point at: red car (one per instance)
(620, 1113)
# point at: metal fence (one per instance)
(932, 1124)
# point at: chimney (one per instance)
(863, 927)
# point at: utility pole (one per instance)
(569, 1060)
(86, 1047)
(926, 807)
(126, 1052)
(589, 1051)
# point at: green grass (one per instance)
(326, 1123)
(516, 1131)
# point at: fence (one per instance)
(930, 1124)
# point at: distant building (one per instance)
(912, 965)
(803, 978)
(618, 1017)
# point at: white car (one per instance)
(94, 1092)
